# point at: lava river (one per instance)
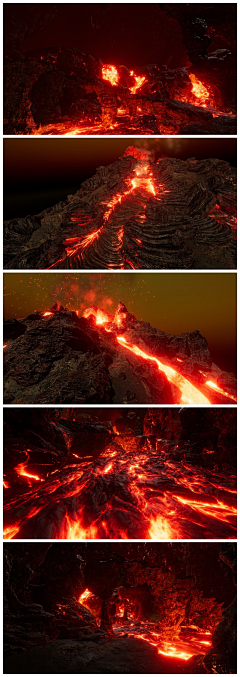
(133, 490)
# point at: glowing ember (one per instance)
(110, 73)
(4, 345)
(161, 529)
(47, 314)
(73, 530)
(6, 484)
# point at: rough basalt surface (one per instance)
(190, 221)
(167, 582)
(64, 359)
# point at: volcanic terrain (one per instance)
(59, 90)
(110, 473)
(135, 214)
(57, 357)
(120, 608)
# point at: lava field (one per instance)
(120, 608)
(57, 357)
(146, 474)
(66, 91)
(135, 214)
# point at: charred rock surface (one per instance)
(159, 598)
(58, 90)
(71, 479)
(100, 358)
(135, 214)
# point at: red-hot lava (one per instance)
(132, 490)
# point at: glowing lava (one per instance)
(138, 82)
(214, 386)
(84, 596)
(189, 393)
(110, 73)
(199, 90)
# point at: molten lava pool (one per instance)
(135, 489)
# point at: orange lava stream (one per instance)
(218, 510)
(214, 386)
(20, 469)
(72, 530)
(189, 393)
(6, 484)
(84, 596)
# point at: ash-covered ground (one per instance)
(135, 214)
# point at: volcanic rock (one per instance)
(64, 359)
(135, 213)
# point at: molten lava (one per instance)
(189, 393)
(110, 73)
(199, 90)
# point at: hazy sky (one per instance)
(172, 302)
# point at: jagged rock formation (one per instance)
(135, 213)
(62, 358)
(57, 90)
(49, 628)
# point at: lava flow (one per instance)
(132, 490)
(112, 215)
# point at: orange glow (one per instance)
(189, 393)
(218, 510)
(6, 484)
(138, 82)
(4, 345)
(85, 595)
(110, 73)
(47, 314)
(100, 316)
(107, 469)
(73, 530)
(20, 469)
(160, 529)
(214, 386)
(10, 532)
(199, 90)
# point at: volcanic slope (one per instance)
(135, 214)
(57, 357)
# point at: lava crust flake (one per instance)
(57, 357)
(135, 214)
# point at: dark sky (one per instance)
(172, 302)
(122, 33)
(38, 173)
